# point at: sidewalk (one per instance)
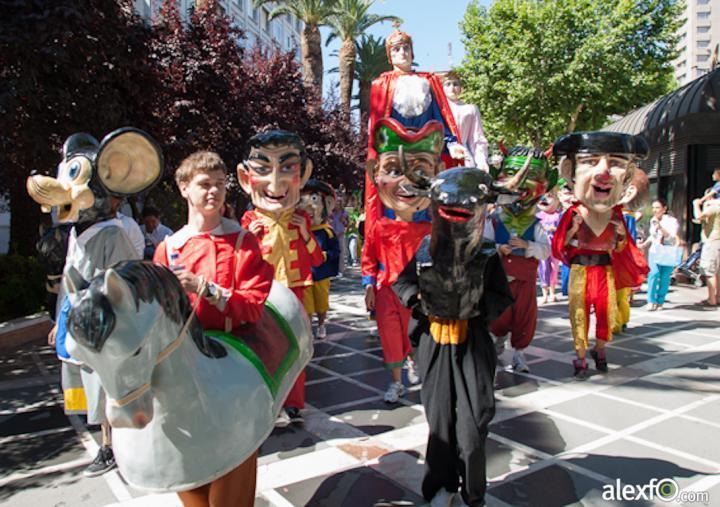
(553, 441)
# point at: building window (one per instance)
(703, 44)
(703, 15)
(240, 4)
(264, 22)
(703, 2)
(256, 15)
(298, 25)
(703, 29)
(703, 58)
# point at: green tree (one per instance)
(541, 69)
(314, 14)
(370, 63)
(350, 20)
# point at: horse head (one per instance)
(123, 323)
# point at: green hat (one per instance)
(390, 134)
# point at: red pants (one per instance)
(392, 320)
(296, 396)
(520, 319)
(591, 286)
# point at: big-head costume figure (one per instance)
(275, 168)
(393, 241)
(318, 199)
(455, 285)
(127, 161)
(412, 99)
(469, 123)
(592, 237)
(522, 243)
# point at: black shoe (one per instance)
(294, 415)
(600, 363)
(581, 371)
(103, 462)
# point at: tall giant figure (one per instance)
(412, 99)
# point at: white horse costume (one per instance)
(186, 407)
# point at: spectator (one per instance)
(339, 222)
(663, 233)
(132, 229)
(714, 191)
(153, 230)
(709, 217)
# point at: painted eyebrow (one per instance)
(259, 156)
(287, 156)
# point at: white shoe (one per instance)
(283, 419)
(518, 362)
(321, 331)
(443, 498)
(658, 307)
(412, 373)
(651, 307)
(394, 392)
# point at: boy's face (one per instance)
(205, 192)
(151, 223)
(273, 176)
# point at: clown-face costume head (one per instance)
(274, 169)
(317, 199)
(528, 172)
(600, 166)
(400, 151)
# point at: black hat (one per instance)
(601, 142)
(314, 185)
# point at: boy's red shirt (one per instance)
(241, 273)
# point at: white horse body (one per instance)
(207, 415)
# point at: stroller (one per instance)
(689, 271)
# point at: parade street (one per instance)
(554, 441)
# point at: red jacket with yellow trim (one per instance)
(283, 247)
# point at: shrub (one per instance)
(23, 286)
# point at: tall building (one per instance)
(698, 38)
(283, 31)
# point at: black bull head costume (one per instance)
(452, 262)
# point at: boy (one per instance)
(238, 283)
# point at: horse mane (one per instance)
(93, 319)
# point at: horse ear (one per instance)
(117, 290)
(73, 282)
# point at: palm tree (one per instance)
(313, 14)
(371, 61)
(349, 21)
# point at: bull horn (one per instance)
(418, 179)
(548, 153)
(502, 147)
(516, 180)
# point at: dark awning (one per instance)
(686, 116)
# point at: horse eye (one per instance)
(137, 352)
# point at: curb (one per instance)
(29, 330)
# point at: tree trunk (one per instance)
(24, 220)
(364, 96)
(311, 48)
(573, 119)
(347, 71)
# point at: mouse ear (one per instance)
(80, 142)
(128, 162)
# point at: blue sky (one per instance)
(433, 24)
